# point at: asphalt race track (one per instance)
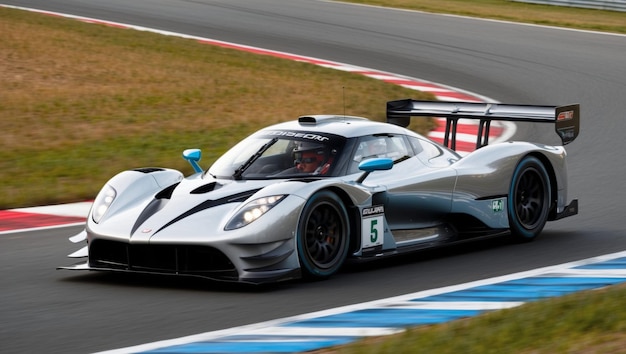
(45, 310)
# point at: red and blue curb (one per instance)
(43, 217)
(339, 326)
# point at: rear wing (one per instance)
(566, 119)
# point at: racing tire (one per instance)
(323, 236)
(529, 199)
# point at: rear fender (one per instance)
(488, 171)
(485, 175)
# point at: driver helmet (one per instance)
(308, 152)
(377, 147)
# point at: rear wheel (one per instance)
(323, 235)
(529, 199)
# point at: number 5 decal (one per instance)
(374, 231)
(372, 226)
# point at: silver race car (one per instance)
(298, 199)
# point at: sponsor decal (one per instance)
(373, 210)
(308, 136)
(565, 115)
(567, 133)
(372, 226)
(497, 205)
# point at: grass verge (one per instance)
(507, 10)
(585, 322)
(82, 102)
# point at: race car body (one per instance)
(300, 198)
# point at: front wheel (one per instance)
(323, 235)
(529, 199)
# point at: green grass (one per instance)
(72, 115)
(585, 322)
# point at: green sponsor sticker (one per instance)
(497, 205)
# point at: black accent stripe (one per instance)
(167, 192)
(235, 198)
(154, 206)
(492, 197)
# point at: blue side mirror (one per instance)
(378, 164)
(371, 165)
(193, 156)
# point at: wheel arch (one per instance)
(529, 206)
(353, 218)
(553, 181)
(320, 255)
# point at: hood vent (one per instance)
(148, 169)
(305, 179)
(205, 189)
(167, 192)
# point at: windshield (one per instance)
(280, 154)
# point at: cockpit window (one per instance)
(425, 149)
(280, 154)
(374, 146)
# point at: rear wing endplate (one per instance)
(566, 119)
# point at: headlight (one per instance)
(252, 211)
(102, 203)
